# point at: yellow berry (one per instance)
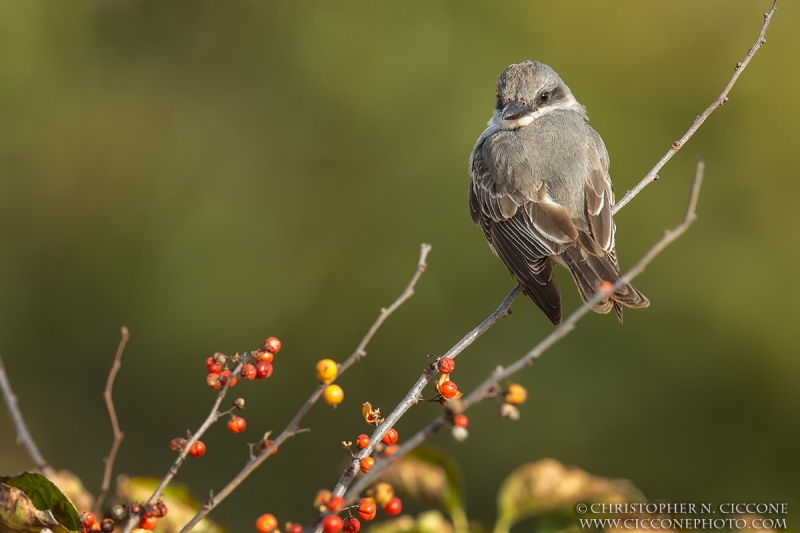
(327, 370)
(516, 394)
(334, 395)
(382, 493)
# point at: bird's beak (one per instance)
(515, 109)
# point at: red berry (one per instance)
(461, 421)
(390, 437)
(263, 370)
(362, 441)
(294, 528)
(272, 345)
(177, 445)
(351, 525)
(367, 509)
(263, 445)
(448, 390)
(446, 365)
(391, 450)
(237, 424)
(332, 523)
(266, 523)
(87, 519)
(148, 522)
(335, 503)
(214, 381)
(225, 376)
(248, 372)
(197, 450)
(162, 509)
(212, 366)
(265, 356)
(367, 463)
(394, 506)
(150, 509)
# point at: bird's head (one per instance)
(528, 90)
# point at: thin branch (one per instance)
(23, 435)
(293, 427)
(557, 334)
(716, 104)
(112, 414)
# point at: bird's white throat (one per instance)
(524, 120)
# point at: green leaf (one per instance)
(44, 495)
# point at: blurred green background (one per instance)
(211, 173)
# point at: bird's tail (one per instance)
(590, 271)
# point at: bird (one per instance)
(542, 194)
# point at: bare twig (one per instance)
(23, 435)
(557, 334)
(716, 104)
(112, 414)
(293, 427)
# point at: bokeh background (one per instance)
(211, 173)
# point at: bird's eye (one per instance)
(544, 96)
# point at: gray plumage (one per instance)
(542, 194)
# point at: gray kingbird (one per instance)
(542, 194)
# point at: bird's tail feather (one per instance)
(590, 271)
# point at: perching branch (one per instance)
(112, 414)
(23, 435)
(412, 396)
(294, 426)
(529, 358)
(716, 104)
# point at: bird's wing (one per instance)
(599, 197)
(524, 227)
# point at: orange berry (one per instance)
(266, 523)
(362, 441)
(327, 369)
(448, 390)
(390, 437)
(197, 450)
(213, 366)
(461, 420)
(367, 463)
(391, 450)
(237, 424)
(334, 395)
(322, 498)
(265, 356)
(367, 508)
(335, 503)
(272, 345)
(515, 394)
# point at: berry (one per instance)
(162, 509)
(459, 433)
(148, 522)
(446, 365)
(351, 525)
(322, 498)
(391, 450)
(294, 528)
(506, 410)
(367, 463)
(448, 390)
(265, 356)
(461, 421)
(87, 519)
(249, 372)
(327, 370)
(213, 381)
(263, 445)
(332, 524)
(150, 510)
(272, 345)
(390, 437)
(333, 395)
(394, 506)
(266, 523)
(212, 366)
(107, 525)
(237, 424)
(225, 376)
(516, 394)
(367, 508)
(197, 450)
(177, 445)
(335, 503)
(362, 441)
(382, 493)
(263, 370)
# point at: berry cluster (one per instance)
(89, 523)
(327, 370)
(447, 389)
